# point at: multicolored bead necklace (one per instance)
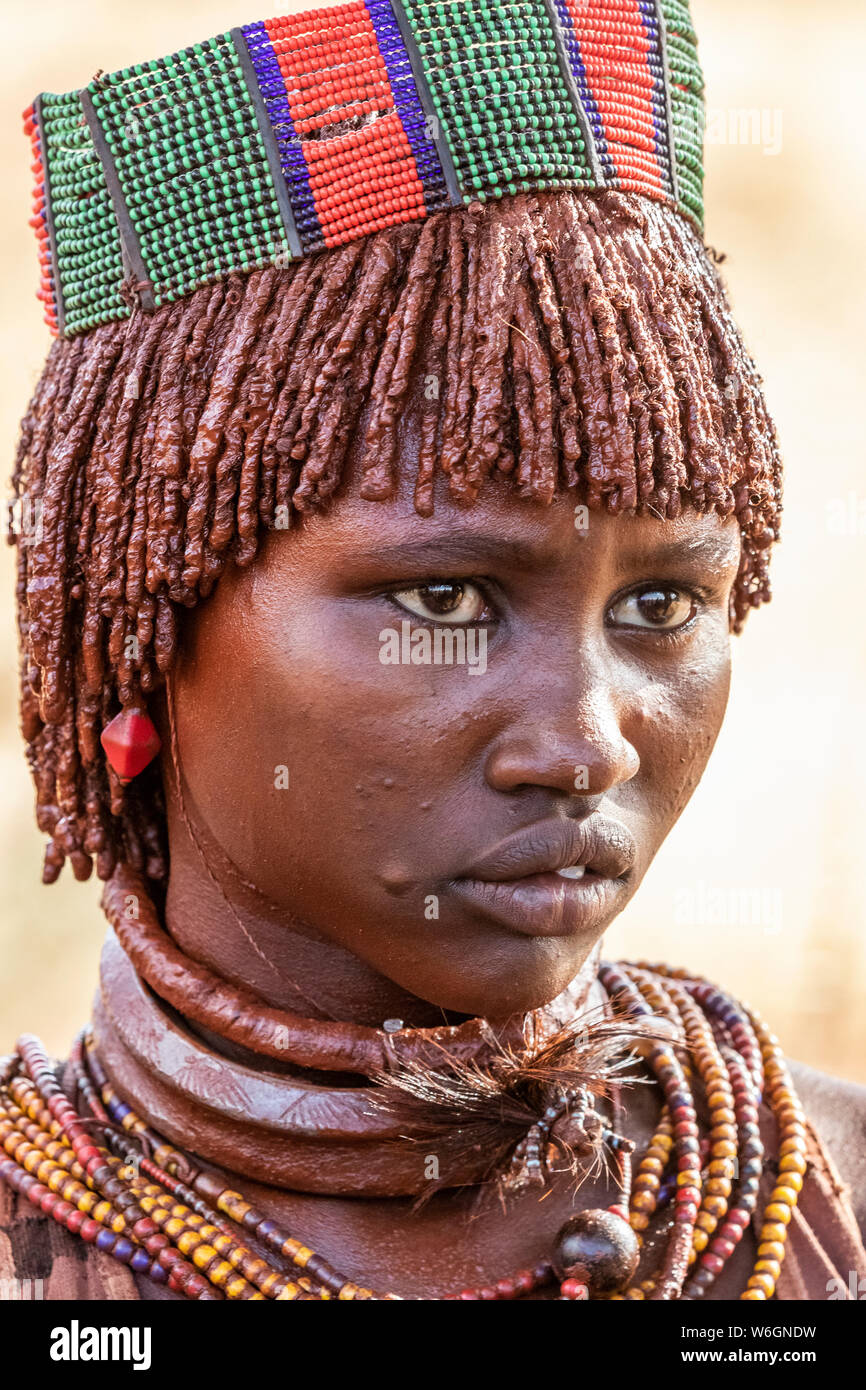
(281, 138)
(106, 1176)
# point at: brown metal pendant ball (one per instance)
(597, 1247)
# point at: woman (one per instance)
(443, 312)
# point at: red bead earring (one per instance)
(130, 742)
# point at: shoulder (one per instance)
(837, 1109)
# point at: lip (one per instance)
(516, 885)
(543, 904)
(604, 846)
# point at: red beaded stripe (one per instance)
(613, 40)
(367, 178)
(39, 220)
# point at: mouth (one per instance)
(551, 904)
(556, 878)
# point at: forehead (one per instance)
(500, 530)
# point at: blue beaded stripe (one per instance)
(272, 153)
(656, 66)
(572, 46)
(292, 162)
(407, 103)
(422, 78)
(566, 65)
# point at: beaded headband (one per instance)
(288, 136)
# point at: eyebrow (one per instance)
(460, 549)
(709, 551)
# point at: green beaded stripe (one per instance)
(134, 268)
(504, 105)
(192, 166)
(686, 95)
(89, 263)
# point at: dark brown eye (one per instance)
(656, 606)
(447, 601)
(442, 598)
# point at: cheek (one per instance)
(318, 761)
(674, 726)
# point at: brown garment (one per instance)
(825, 1256)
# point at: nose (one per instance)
(569, 739)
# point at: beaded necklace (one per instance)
(104, 1174)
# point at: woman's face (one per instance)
(421, 813)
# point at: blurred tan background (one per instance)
(762, 884)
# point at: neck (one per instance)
(225, 924)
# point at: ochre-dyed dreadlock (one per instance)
(578, 341)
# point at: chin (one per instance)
(499, 983)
